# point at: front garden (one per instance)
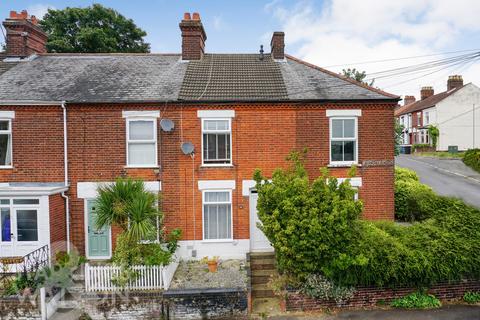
(324, 248)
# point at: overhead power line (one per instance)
(400, 58)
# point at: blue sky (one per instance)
(325, 33)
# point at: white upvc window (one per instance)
(19, 220)
(427, 118)
(5, 143)
(216, 141)
(217, 215)
(343, 140)
(142, 142)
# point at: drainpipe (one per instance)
(65, 164)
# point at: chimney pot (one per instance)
(426, 92)
(454, 81)
(186, 16)
(277, 45)
(24, 14)
(196, 16)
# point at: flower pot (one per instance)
(212, 266)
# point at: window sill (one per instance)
(142, 167)
(343, 165)
(6, 167)
(218, 241)
(204, 165)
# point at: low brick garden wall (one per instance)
(19, 308)
(206, 304)
(371, 296)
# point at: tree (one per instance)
(127, 204)
(92, 29)
(357, 76)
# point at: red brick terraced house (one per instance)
(69, 122)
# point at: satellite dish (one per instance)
(187, 148)
(167, 125)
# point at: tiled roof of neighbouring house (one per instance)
(425, 103)
(158, 77)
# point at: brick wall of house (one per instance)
(58, 231)
(262, 136)
(37, 134)
(371, 296)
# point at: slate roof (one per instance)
(425, 103)
(95, 78)
(165, 77)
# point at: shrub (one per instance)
(319, 287)
(417, 300)
(471, 297)
(472, 159)
(315, 228)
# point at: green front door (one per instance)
(98, 239)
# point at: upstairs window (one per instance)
(217, 141)
(141, 142)
(419, 119)
(343, 140)
(5, 143)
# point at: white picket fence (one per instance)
(99, 277)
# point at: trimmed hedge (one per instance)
(413, 200)
(472, 159)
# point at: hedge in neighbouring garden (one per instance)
(315, 228)
(472, 159)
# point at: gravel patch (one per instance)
(195, 275)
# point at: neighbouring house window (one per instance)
(141, 142)
(427, 118)
(343, 140)
(419, 119)
(19, 220)
(5, 143)
(217, 141)
(409, 120)
(217, 215)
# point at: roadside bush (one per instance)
(471, 297)
(319, 287)
(417, 300)
(315, 228)
(472, 159)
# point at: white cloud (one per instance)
(344, 31)
(217, 22)
(39, 10)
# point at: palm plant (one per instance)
(129, 205)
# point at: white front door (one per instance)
(258, 241)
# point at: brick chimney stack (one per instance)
(454, 81)
(426, 92)
(24, 35)
(408, 100)
(278, 45)
(193, 37)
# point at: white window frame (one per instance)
(154, 141)
(217, 131)
(343, 163)
(10, 137)
(222, 202)
(13, 208)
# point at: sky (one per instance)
(334, 34)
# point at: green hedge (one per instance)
(413, 200)
(315, 228)
(472, 159)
